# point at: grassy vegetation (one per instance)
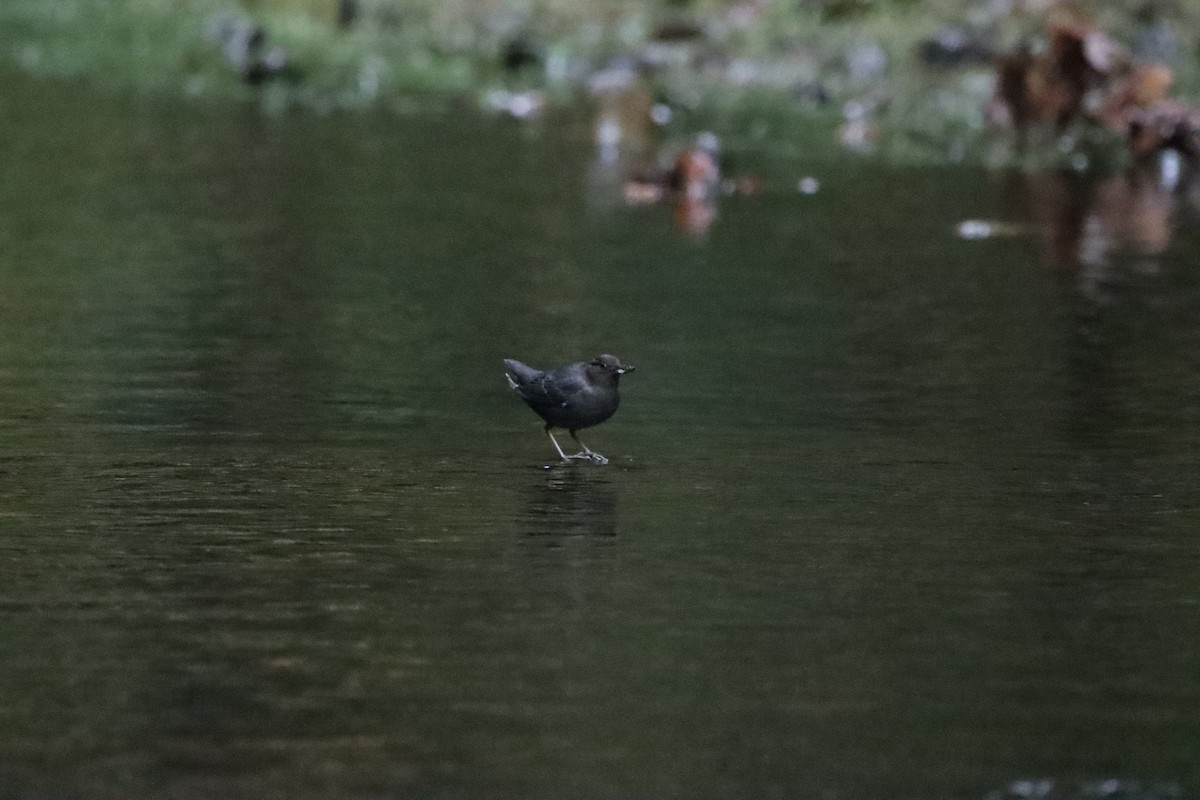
(743, 54)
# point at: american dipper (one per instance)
(574, 396)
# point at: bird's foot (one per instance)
(588, 455)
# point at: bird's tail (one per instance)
(518, 374)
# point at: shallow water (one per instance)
(889, 514)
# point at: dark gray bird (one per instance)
(573, 397)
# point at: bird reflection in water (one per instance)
(566, 554)
(571, 503)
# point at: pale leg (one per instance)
(554, 441)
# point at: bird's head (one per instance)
(609, 366)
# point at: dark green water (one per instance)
(889, 514)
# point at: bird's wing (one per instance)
(547, 390)
(567, 384)
(551, 391)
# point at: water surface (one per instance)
(889, 514)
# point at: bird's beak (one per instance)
(621, 370)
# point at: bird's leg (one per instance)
(587, 451)
(554, 441)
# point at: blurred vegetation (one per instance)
(713, 58)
